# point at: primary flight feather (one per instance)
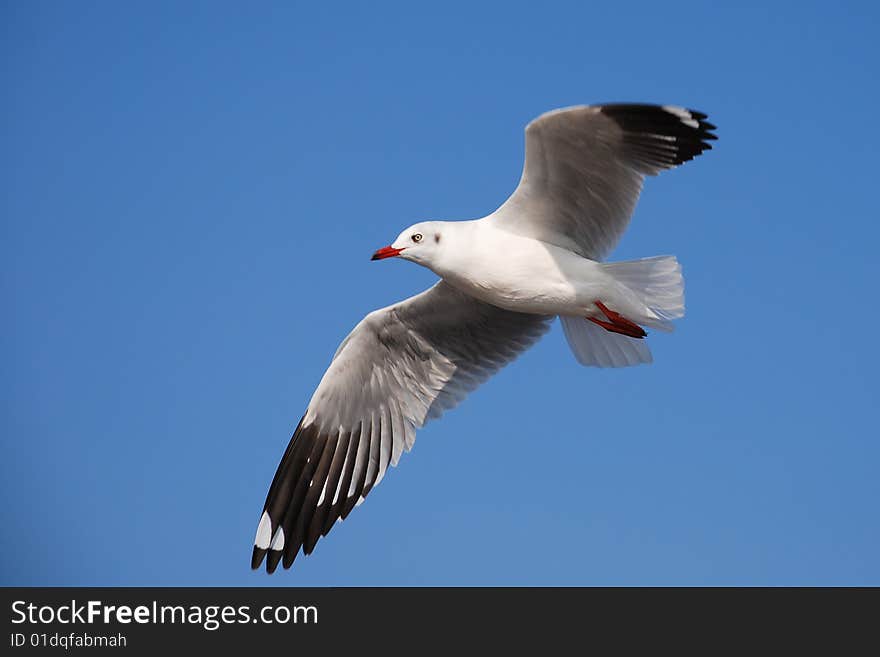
(503, 279)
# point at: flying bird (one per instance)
(503, 279)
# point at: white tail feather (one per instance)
(594, 346)
(657, 289)
(658, 284)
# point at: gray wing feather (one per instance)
(400, 367)
(584, 168)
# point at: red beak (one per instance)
(386, 252)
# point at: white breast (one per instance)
(520, 273)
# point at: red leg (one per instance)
(617, 323)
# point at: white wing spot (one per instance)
(685, 116)
(264, 532)
(278, 540)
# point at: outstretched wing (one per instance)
(400, 367)
(584, 168)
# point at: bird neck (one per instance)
(458, 247)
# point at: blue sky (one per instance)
(191, 193)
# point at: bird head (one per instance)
(419, 243)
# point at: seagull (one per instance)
(503, 278)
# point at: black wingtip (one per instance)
(272, 561)
(661, 136)
(289, 557)
(257, 558)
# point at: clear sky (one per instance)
(190, 196)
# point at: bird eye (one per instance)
(417, 237)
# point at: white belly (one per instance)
(528, 276)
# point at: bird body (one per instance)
(520, 273)
(504, 278)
